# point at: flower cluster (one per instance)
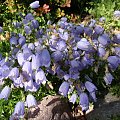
(65, 50)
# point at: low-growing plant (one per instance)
(74, 60)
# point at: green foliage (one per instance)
(104, 8)
(4, 48)
(7, 106)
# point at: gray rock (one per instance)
(105, 108)
(51, 108)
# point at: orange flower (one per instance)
(46, 8)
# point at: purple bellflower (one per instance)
(57, 56)
(98, 29)
(13, 40)
(117, 51)
(64, 88)
(14, 73)
(101, 52)
(117, 13)
(5, 93)
(27, 30)
(35, 61)
(31, 46)
(90, 86)
(27, 67)
(104, 39)
(116, 38)
(61, 45)
(18, 111)
(102, 19)
(35, 24)
(31, 101)
(83, 44)
(35, 4)
(29, 85)
(108, 78)
(22, 40)
(88, 31)
(92, 23)
(29, 17)
(19, 81)
(73, 98)
(93, 96)
(113, 62)
(45, 59)
(84, 102)
(40, 77)
(17, 24)
(20, 58)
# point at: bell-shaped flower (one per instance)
(64, 19)
(35, 24)
(102, 19)
(19, 81)
(108, 78)
(101, 52)
(117, 51)
(27, 30)
(66, 76)
(31, 101)
(29, 17)
(113, 62)
(45, 59)
(40, 77)
(86, 60)
(22, 40)
(27, 67)
(14, 73)
(17, 24)
(38, 34)
(5, 93)
(117, 13)
(31, 46)
(75, 64)
(5, 70)
(13, 40)
(84, 102)
(88, 31)
(64, 36)
(83, 44)
(57, 56)
(116, 38)
(27, 53)
(35, 4)
(61, 45)
(92, 23)
(104, 39)
(29, 85)
(73, 98)
(18, 111)
(64, 88)
(98, 29)
(20, 58)
(79, 29)
(35, 61)
(93, 96)
(25, 21)
(90, 86)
